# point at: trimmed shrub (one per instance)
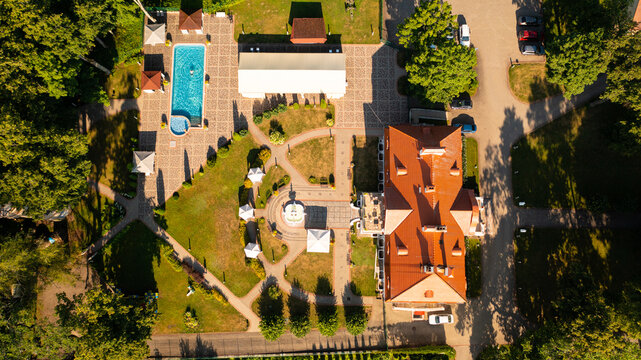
(261, 220)
(355, 319)
(281, 108)
(243, 132)
(313, 180)
(223, 152)
(264, 155)
(323, 104)
(308, 106)
(258, 268)
(295, 106)
(267, 115)
(258, 118)
(286, 179)
(187, 184)
(159, 211)
(211, 161)
(236, 136)
(330, 122)
(276, 137)
(175, 264)
(175, 195)
(248, 184)
(190, 320)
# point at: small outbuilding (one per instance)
(252, 250)
(150, 81)
(246, 212)
(308, 31)
(192, 21)
(144, 162)
(255, 175)
(318, 240)
(155, 34)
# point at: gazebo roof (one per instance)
(144, 162)
(192, 21)
(150, 80)
(246, 212)
(318, 240)
(255, 174)
(155, 34)
(252, 250)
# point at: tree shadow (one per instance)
(323, 286)
(270, 301)
(366, 167)
(201, 348)
(304, 10)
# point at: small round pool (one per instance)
(179, 125)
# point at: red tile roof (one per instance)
(423, 171)
(308, 31)
(150, 80)
(192, 21)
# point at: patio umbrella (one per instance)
(246, 212)
(144, 162)
(255, 175)
(252, 250)
(154, 34)
(318, 240)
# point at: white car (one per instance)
(440, 319)
(464, 35)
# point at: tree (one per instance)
(276, 137)
(111, 325)
(438, 65)
(264, 155)
(300, 326)
(327, 319)
(624, 73)
(355, 319)
(270, 310)
(575, 60)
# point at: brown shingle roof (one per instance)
(308, 31)
(193, 21)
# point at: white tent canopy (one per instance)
(255, 175)
(154, 34)
(246, 212)
(144, 162)
(252, 250)
(318, 240)
(291, 73)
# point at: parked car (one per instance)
(464, 35)
(461, 104)
(467, 128)
(528, 35)
(440, 319)
(532, 49)
(530, 20)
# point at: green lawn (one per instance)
(544, 256)
(473, 267)
(471, 169)
(273, 248)
(363, 257)
(313, 272)
(91, 218)
(295, 121)
(132, 262)
(528, 82)
(365, 159)
(205, 217)
(124, 82)
(270, 184)
(110, 150)
(269, 21)
(314, 157)
(573, 163)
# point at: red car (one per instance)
(528, 35)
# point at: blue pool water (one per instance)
(187, 84)
(179, 125)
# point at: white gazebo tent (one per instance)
(255, 175)
(154, 34)
(246, 212)
(318, 240)
(252, 250)
(144, 162)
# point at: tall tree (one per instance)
(624, 72)
(437, 63)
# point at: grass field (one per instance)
(363, 257)
(273, 248)
(528, 82)
(544, 256)
(132, 262)
(269, 184)
(124, 82)
(110, 150)
(573, 163)
(314, 157)
(313, 272)
(91, 218)
(296, 121)
(205, 217)
(365, 158)
(471, 178)
(270, 20)
(473, 267)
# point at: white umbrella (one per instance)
(246, 212)
(252, 250)
(144, 162)
(154, 34)
(318, 240)
(255, 175)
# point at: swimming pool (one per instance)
(187, 85)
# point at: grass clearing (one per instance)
(543, 256)
(314, 157)
(473, 267)
(111, 144)
(133, 263)
(296, 121)
(471, 178)
(529, 84)
(124, 82)
(365, 159)
(313, 272)
(270, 20)
(270, 184)
(91, 218)
(204, 218)
(273, 248)
(362, 272)
(573, 162)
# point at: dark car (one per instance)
(528, 35)
(530, 20)
(532, 49)
(461, 104)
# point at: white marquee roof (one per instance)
(154, 34)
(246, 212)
(318, 240)
(291, 73)
(255, 175)
(144, 162)
(252, 250)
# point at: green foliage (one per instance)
(128, 34)
(575, 60)
(327, 320)
(264, 155)
(236, 136)
(330, 121)
(439, 66)
(243, 132)
(223, 152)
(300, 326)
(111, 325)
(624, 73)
(276, 137)
(190, 320)
(312, 180)
(248, 184)
(267, 115)
(258, 268)
(281, 108)
(355, 319)
(159, 211)
(187, 184)
(270, 310)
(258, 119)
(323, 104)
(295, 106)
(308, 106)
